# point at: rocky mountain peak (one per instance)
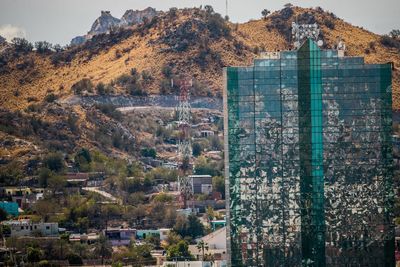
(106, 21)
(103, 23)
(132, 17)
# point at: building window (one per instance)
(47, 227)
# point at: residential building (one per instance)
(120, 236)
(201, 184)
(29, 228)
(308, 160)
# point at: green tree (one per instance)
(21, 45)
(34, 254)
(197, 149)
(43, 47)
(201, 246)
(83, 160)
(189, 226)
(179, 252)
(395, 33)
(101, 88)
(265, 13)
(219, 185)
(3, 215)
(44, 176)
(54, 162)
(103, 248)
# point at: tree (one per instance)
(395, 33)
(189, 226)
(149, 152)
(219, 185)
(101, 88)
(201, 246)
(3, 215)
(43, 47)
(196, 149)
(44, 176)
(21, 45)
(34, 254)
(179, 252)
(103, 248)
(56, 183)
(54, 162)
(265, 13)
(83, 160)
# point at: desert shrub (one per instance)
(167, 71)
(43, 47)
(390, 42)
(83, 85)
(216, 24)
(306, 18)
(149, 152)
(330, 24)
(136, 89)
(21, 45)
(50, 98)
(61, 57)
(101, 88)
(26, 63)
(146, 76)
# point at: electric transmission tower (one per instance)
(184, 145)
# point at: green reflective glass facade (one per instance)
(308, 161)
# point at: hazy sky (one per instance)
(58, 21)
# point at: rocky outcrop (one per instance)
(103, 23)
(78, 40)
(132, 17)
(106, 21)
(2, 39)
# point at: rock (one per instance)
(2, 39)
(132, 17)
(78, 40)
(103, 23)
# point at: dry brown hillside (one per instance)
(190, 41)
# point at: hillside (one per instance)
(141, 59)
(189, 41)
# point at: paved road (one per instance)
(103, 193)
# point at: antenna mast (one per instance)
(184, 145)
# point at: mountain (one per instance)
(2, 39)
(132, 17)
(37, 91)
(107, 22)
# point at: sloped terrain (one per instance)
(142, 59)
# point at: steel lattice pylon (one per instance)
(184, 145)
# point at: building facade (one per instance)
(308, 161)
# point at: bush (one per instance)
(387, 41)
(149, 152)
(21, 45)
(146, 76)
(54, 162)
(330, 24)
(100, 88)
(50, 98)
(197, 149)
(43, 47)
(83, 85)
(167, 71)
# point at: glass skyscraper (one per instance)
(308, 159)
